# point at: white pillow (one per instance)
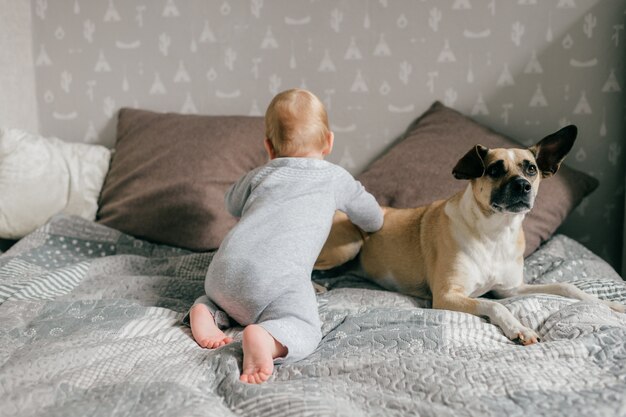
(40, 177)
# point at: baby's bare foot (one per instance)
(204, 330)
(259, 351)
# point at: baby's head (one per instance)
(296, 125)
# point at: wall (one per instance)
(18, 106)
(524, 68)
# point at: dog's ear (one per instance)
(551, 150)
(472, 165)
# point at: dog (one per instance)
(455, 250)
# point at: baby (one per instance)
(261, 275)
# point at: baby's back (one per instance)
(285, 221)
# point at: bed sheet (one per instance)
(90, 324)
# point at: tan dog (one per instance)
(457, 249)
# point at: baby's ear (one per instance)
(269, 148)
(330, 141)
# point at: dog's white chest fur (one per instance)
(488, 247)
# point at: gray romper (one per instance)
(262, 271)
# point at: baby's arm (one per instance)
(238, 194)
(360, 206)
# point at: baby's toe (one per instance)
(250, 378)
(261, 377)
(255, 375)
(208, 343)
(204, 343)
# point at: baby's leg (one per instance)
(259, 351)
(203, 327)
(288, 329)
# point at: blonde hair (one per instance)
(296, 122)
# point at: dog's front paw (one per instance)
(620, 308)
(319, 289)
(526, 337)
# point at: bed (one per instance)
(90, 324)
(90, 311)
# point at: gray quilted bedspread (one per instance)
(90, 326)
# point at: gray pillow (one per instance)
(417, 170)
(169, 174)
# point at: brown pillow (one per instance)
(169, 174)
(418, 170)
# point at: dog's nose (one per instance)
(521, 185)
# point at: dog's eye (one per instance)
(532, 170)
(496, 170)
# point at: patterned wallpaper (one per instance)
(523, 67)
(18, 106)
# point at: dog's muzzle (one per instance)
(514, 196)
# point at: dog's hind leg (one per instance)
(343, 244)
(563, 289)
(455, 299)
